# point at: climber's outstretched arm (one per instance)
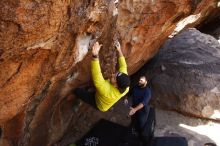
(121, 59)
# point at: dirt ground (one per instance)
(197, 131)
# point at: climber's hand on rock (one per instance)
(95, 49)
(117, 45)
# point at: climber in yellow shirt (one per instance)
(108, 92)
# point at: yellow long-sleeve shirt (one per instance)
(106, 94)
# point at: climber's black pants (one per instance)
(86, 96)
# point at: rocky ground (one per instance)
(197, 131)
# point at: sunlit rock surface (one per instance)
(44, 53)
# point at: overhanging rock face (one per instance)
(44, 53)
